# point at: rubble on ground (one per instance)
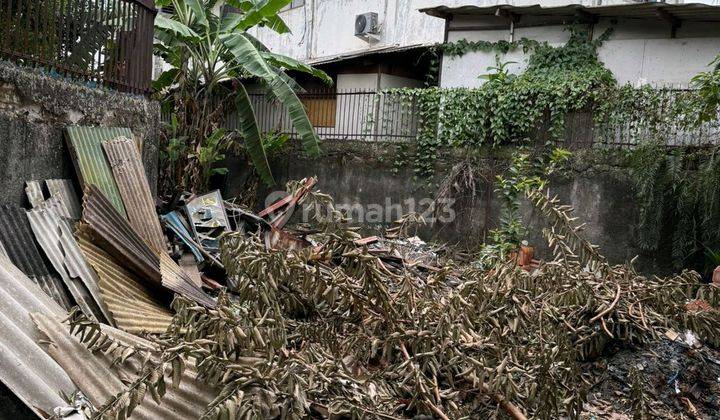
(212, 309)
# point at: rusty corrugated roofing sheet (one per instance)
(115, 235)
(63, 189)
(19, 243)
(55, 237)
(126, 164)
(99, 380)
(24, 367)
(134, 307)
(34, 193)
(85, 144)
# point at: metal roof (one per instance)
(85, 144)
(55, 237)
(127, 166)
(362, 53)
(99, 380)
(694, 12)
(34, 193)
(25, 368)
(19, 243)
(134, 307)
(115, 235)
(64, 190)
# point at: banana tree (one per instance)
(213, 58)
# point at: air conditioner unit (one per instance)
(366, 24)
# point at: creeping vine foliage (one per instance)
(679, 198)
(340, 333)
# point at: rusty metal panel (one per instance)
(85, 144)
(64, 190)
(99, 380)
(134, 307)
(19, 243)
(126, 164)
(34, 193)
(55, 237)
(114, 234)
(25, 368)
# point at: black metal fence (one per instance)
(393, 116)
(104, 42)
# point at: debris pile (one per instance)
(213, 311)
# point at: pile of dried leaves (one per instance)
(336, 331)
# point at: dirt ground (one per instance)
(679, 382)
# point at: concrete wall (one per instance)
(35, 109)
(638, 52)
(365, 176)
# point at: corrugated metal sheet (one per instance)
(115, 235)
(24, 367)
(134, 307)
(126, 164)
(174, 278)
(99, 381)
(55, 237)
(683, 12)
(175, 223)
(19, 243)
(64, 190)
(85, 144)
(34, 193)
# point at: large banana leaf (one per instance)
(263, 9)
(166, 24)
(251, 135)
(246, 54)
(288, 63)
(198, 10)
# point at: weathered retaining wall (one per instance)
(371, 174)
(34, 110)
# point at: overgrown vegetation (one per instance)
(679, 198)
(213, 61)
(336, 332)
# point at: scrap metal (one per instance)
(55, 237)
(64, 190)
(175, 223)
(85, 144)
(127, 166)
(34, 193)
(115, 235)
(134, 307)
(19, 243)
(208, 219)
(98, 379)
(34, 377)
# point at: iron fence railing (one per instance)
(395, 116)
(104, 42)
(345, 115)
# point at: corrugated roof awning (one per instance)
(693, 12)
(357, 54)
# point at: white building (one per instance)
(651, 43)
(323, 34)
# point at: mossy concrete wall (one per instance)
(35, 108)
(371, 174)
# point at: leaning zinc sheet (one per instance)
(27, 370)
(65, 192)
(100, 380)
(135, 308)
(115, 235)
(55, 237)
(126, 164)
(19, 243)
(85, 144)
